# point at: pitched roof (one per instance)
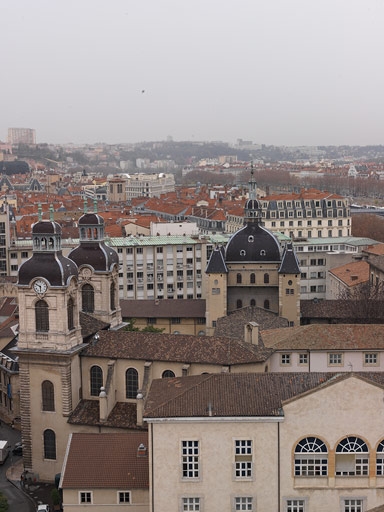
(289, 261)
(343, 310)
(237, 394)
(164, 308)
(326, 337)
(123, 415)
(174, 347)
(353, 273)
(216, 263)
(106, 461)
(90, 325)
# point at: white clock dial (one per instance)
(40, 286)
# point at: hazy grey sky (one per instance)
(293, 72)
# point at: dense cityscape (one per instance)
(172, 308)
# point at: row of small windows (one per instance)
(88, 306)
(252, 278)
(252, 302)
(131, 381)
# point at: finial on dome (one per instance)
(95, 205)
(85, 205)
(51, 212)
(39, 212)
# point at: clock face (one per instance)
(40, 286)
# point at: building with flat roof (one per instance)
(21, 136)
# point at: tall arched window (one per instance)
(239, 303)
(96, 380)
(88, 298)
(266, 304)
(311, 457)
(131, 383)
(42, 316)
(238, 278)
(253, 302)
(167, 374)
(48, 396)
(380, 459)
(352, 457)
(112, 297)
(70, 316)
(252, 279)
(49, 444)
(266, 278)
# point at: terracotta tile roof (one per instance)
(96, 461)
(91, 325)
(231, 394)
(123, 415)
(375, 249)
(347, 311)
(174, 347)
(352, 274)
(181, 308)
(233, 324)
(326, 337)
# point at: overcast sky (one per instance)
(284, 72)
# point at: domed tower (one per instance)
(48, 348)
(98, 270)
(253, 258)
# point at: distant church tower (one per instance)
(48, 348)
(252, 271)
(98, 271)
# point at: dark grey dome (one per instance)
(253, 243)
(96, 254)
(53, 266)
(91, 219)
(46, 227)
(252, 204)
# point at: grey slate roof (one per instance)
(164, 308)
(289, 262)
(216, 263)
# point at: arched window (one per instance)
(238, 278)
(252, 279)
(48, 396)
(311, 457)
(70, 317)
(88, 298)
(352, 457)
(380, 459)
(253, 302)
(96, 380)
(112, 297)
(131, 383)
(239, 303)
(167, 374)
(42, 316)
(266, 304)
(266, 278)
(49, 444)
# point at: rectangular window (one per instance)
(151, 321)
(294, 506)
(159, 250)
(243, 458)
(176, 320)
(303, 359)
(335, 359)
(285, 359)
(24, 254)
(244, 503)
(190, 459)
(124, 497)
(370, 359)
(85, 497)
(353, 505)
(190, 504)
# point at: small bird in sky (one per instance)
(142, 91)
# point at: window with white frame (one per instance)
(285, 359)
(352, 457)
(311, 457)
(370, 358)
(244, 503)
(124, 497)
(190, 459)
(380, 459)
(85, 497)
(352, 505)
(335, 358)
(190, 504)
(294, 505)
(303, 359)
(243, 458)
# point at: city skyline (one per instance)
(275, 73)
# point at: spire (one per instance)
(252, 185)
(51, 212)
(39, 212)
(252, 209)
(95, 205)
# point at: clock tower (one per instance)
(48, 349)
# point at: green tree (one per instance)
(3, 503)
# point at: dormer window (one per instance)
(262, 252)
(242, 252)
(251, 238)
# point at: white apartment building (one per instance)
(123, 187)
(21, 135)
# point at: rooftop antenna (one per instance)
(51, 212)
(39, 212)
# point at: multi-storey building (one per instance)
(309, 214)
(21, 135)
(124, 187)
